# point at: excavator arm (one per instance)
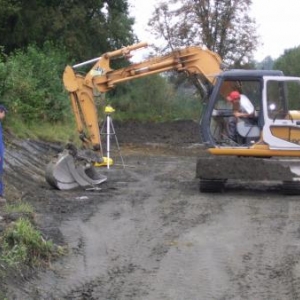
(201, 63)
(102, 78)
(191, 60)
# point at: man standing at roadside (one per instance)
(3, 111)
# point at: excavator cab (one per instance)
(245, 130)
(276, 119)
(216, 120)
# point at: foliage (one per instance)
(85, 28)
(53, 132)
(23, 244)
(224, 27)
(32, 89)
(32, 86)
(288, 62)
(153, 98)
(59, 132)
(266, 64)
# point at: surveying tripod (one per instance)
(110, 131)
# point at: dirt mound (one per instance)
(176, 133)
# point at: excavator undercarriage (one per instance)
(214, 172)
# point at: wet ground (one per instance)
(149, 234)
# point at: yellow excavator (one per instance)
(264, 147)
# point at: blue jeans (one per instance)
(1, 176)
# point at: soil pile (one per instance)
(179, 133)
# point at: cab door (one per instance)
(281, 109)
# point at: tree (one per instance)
(266, 64)
(288, 62)
(223, 26)
(31, 85)
(86, 28)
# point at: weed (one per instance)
(22, 244)
(19, 208)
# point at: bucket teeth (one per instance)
(65, 173)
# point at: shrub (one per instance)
(32, 86)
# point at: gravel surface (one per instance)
(149, 234)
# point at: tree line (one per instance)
(84, 28)
(38, 38)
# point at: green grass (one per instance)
(19, 208)
(23, 245)
(59, 132)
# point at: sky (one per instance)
(277, 22)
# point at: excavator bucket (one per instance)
(64, 172)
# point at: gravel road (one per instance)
(149, 234)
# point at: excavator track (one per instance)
(291, 187)
(213, 172)
(66, 172)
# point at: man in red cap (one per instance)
(242, 108)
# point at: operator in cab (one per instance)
(242, 108)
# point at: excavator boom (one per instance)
(192, 60)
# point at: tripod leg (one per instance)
(108, 140)
(117, 143)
